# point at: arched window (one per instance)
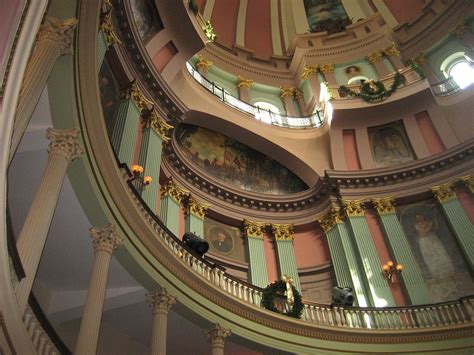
(357, 79)
(266, 111)
(458, 66)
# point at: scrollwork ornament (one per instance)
(282, 231)
(158, 124)
(176, 193)
(287, 92)
(218, 334)
(202, 63)
(64, 143)
(108, 29)
(391, 50)
(327, 68)
(376, 56)
(254, 229)
(59, 31)
(160, 301)
(243, 83)
(105, 239)
(135, 93)
(384, 205)
(308, 71)
(330, 219)
(460, 29)
(197, 208)
(354, 208)
(444, 193)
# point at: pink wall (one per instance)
(201, 4)
(182, 222)
(258, 32)
(430, 134)
(384, 255)
(164, 56)
(405, 10)
(8, 13)
(224, 20)
(310, 248)
(271, 259)
(350, 149)
(467, 201)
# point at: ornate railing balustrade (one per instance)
(445, 88)
(315, 120)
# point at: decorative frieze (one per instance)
(460, 29)
(254, 229)
(172, 190)
(353, 208)
(243, 83)
(282, 231)
(158, 124)
(64, 143)
(108, 29)
(331, 218)
(444, 192)
(105, 239)
(203, 64)
(384, 205)
(196, 208)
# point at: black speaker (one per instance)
(195, 243)
(342, 296)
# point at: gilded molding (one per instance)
(327, 68)
(420, 59)
(134, 92)
(392, 50)
(469, 182)
(108, 29)
(254, 229)
(158, 124)
(460, 29)
(202, 63)
(353, 208)
(243, 83)
(282, 231)
(330, 219)
(309, 70)
(172, 190)
(196, 208)
(444, 193)
(287, 92)
(375, 56)
(384, 205)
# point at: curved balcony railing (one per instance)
(313, 121)
(446, 87)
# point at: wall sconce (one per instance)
(390, 268)
(137, 171)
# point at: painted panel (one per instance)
(350, 149)
(224, 20)
(224, 240)
(235, 163)
(164, 56)
(147, 19)
(439, 257)
(258, 28)
(109, 96)
(390, 145)
(326, 15)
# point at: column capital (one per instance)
(376, 56)
(420, 59)
(309, 70)
(282, 231)
(218, 334)
(172, 190)
(331, 218)
(105, 239)
(160, 301)
(243, 83)
(254, 229)
(134, 92)
(353, 208)
(108, 29)
(158, 124)
(64, 143)
(468, 181)
(287, 92)
(444, 193)
(327, 68)
(202, 63)
(59, 31)
(196, 208)
(392, 50)
(460, 29)
(298, 93)
(384, 205)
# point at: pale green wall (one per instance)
(367, 70)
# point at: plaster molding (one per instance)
(105, 239)
(330, 219)
(353, 208)
(158, 124)
(108, 28)
(196, 208)
(172, 190)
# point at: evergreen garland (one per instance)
(377, 94)
(269, 295)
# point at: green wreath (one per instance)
(279, 287)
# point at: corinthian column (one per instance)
(105, 240)
(54, 40)
(161, 302)
(63, 149)
(216, 338)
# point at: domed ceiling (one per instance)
(235, 163)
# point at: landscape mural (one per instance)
(224, 240)
(146, 18)
(436, 251)
(390, 145)
(235, 163)
(326, 15)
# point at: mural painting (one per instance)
(146, 18)
(235, 163)
(326, 15)
(437, 252)
(390, 145)
(224, 240)
(109, 96)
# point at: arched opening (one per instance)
(458, 66)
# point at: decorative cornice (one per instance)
(202, 63)
(196, 208)
(158, 124)
(105, 239)
(64, 143)
(384, 205)
(353, 208)
(309, 70)
(243, 83)
(330, 219)
(160, 301)
(282, 231)
(469, 182)
(176, 193)
(444, 193)
(460, 29)
(108, 29)
(254, 229)
(376, 56)
(327, 68)
(287, 92)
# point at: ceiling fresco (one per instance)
(235, 163)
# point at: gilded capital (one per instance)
(218, 334)
(384, 205)
(375, 56)
(64, 143)
(330, 219)
(353, 208)
(282, 231)
(160, 301)
(105, 239)
(392, 50)
(158, 124)
(108, 29)
(444, 193)
(254, 229)
(176, 193)
(469, 182)
(202, 63)
(196, 208)
(243, 83)
(326, 68)
(135, 93)
(309, 70)
(420, 59)
(298, 94)
(286, 92)
(460, 29)
(58, 31)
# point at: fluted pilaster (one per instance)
(217, 337)
(283, 235)
(171, 198)
(161, 302)
(195, 214)
(254, 233)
